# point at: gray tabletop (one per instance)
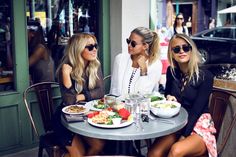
(153, 128)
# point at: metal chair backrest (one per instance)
(220, 100)
(107, 83)
(43, 91)
(218, 104)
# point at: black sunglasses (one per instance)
(185, 48)
(179, 18)
(131, 42)
(91, 47)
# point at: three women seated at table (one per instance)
(80, 79)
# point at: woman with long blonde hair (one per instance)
(139, 69)
(189, 84)
(80, 79)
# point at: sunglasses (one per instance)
(179, 18)
(132, 43)
(91, 47)
(185, 48)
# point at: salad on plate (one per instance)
(109, 118)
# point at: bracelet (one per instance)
(143, 73)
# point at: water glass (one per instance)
(144, 105)
(130, 105)
(110, 100)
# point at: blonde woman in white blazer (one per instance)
(139, 70)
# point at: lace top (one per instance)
(69, 94)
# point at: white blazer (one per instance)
(122, 71)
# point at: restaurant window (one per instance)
(60, 19)
(6, 60)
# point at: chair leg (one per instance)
(148, 142)
(40, 152)
(138, 146)
(56, 152)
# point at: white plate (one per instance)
(65, 109)
(90, 105)
(124, 124)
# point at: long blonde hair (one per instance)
(73, 57)
(151, 38)
(194, 61)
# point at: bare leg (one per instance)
(95, 145)
(76, 149)
(192, 145)
(161, 146)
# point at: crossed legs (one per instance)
(170, 146)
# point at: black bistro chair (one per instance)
(107, 83)
(219, 101)
(47, 140)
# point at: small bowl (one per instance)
(116, 121)
(165, 109)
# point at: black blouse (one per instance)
(194, 97)
(69, 94)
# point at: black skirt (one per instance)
(63, 135)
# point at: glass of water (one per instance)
(144, 105)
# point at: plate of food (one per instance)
(75, 109)
(110, 119)
(96, 105)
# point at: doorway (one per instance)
(186, 9)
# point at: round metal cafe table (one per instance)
(152, 129)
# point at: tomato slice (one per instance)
(90, 115)
(124, 113)
(109, 109)
(96, 113)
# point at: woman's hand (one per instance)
(80, 97)
(142, 64)
(171, 98)
(66, 71)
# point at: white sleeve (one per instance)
(186, 30)
(115, 77)
(150, 82)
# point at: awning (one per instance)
(228, 10)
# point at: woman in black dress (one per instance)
(190, 85)
(80, 79)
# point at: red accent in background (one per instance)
(165, 65)
(164, 43)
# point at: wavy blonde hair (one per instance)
(194, 61)
(152, 39)
(73, 57)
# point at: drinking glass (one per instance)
(130, 105)
(110, 100)
(144, 104)
(135, 99)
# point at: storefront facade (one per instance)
(113, 23)
(196, 12)
(16, 132)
